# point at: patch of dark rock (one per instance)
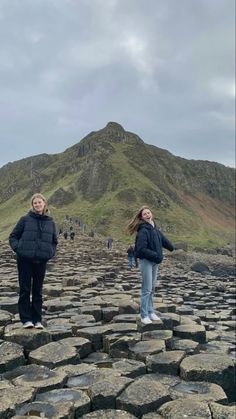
(165, 362)
(120, 348)
(84, 381)
(200, 267)
(191, 331)
(128, 307)
(94, 311)
(12, 397)
(125, 318)
(123, 327)
(79, 399)
(189, 346)
(95, 334)
(184, 310)
(5, 317)
(224, 271)
(99, 359)
(165, 335)
(36, 376)
(11, 356)
(103, 394)
(157, 325)
(199, 391)
(65, 351)
(45, 409)
(166, 380)
(214, 368)
(179, 409)
(73, 370)
(30, 339)
(108, 313)
(141, 350)
(61, 197)
(142, 396)
(9, 304)
(130, 368)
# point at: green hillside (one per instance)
(109, 174)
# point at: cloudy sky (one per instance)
(163, 69)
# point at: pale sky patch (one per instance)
(223, 87)
(163, 69)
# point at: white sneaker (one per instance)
(28, 325)
(38, 325)
(146, 320)
(154, 317)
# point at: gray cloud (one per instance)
(163, 69)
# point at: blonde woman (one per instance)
(148, 249)
(34, 241)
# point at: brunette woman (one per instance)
(148, 249)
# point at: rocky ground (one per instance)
(94, 359)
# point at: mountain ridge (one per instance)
(110, 173)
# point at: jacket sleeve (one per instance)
(16, 234)
(166, 243)
(141, 248)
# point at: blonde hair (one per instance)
(40, 196)
(135, 221)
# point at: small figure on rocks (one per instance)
(65, 234)
(148, 249)
(131, 256)
(72, 235)
(34, 241)
(109, 242)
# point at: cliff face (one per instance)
(110, 173)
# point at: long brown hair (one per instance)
(40, 196)
(135, 221)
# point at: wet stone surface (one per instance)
(95, 359)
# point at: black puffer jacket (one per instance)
(149, 242)
(34, 237)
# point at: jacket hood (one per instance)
(145, 225)
(43, 217)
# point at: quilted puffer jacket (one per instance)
(34, 237)
(149, 243)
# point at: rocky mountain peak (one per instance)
(115, 132)
(103, 138)
(114, 126)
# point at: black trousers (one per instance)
(31, 275)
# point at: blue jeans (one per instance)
(149, 271)
(130, 261)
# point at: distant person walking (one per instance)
(72, 234)
(148, 249)
(131, 257)
(109, 242)
(34, 241)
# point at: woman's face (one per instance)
(38, 205)
(146, 215)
